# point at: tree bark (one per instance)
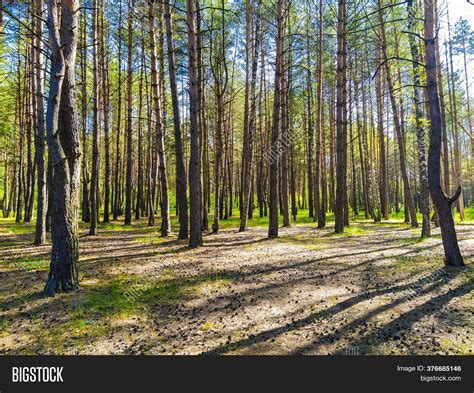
(275, 141)
(424, 197)
(195, 234)
(341, 119)
(106, 98)
(319, 123)
(181, 197)
(442, 203)
(40, 235)
(64, 147)
(94, 203)
(396, 119)
(129, 151)
(248, 147)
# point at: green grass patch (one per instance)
(455, 347)
(102, 308)
(10, 227)
(355, 229)
(207, 327)
(27, 263)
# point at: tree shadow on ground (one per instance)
(315, 316)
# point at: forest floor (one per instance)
(377, 289)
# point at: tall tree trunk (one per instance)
(310, 128)
(19, 122)
(332, 140)
(454, 114)
(106, 97)
(94, 203)
(129, 152)
(86, 213)
(117, 173)
(275, 141)
(181, 197)
(341, 120)
(248, 149)
(444, 137)
(319, 125)
(160, 140)
(139, 195)
(220, 74)
(383, 179)
(40, 235)
(195, 234)
(205, 185)
(64, 147)
(284, 147)
(442, 203)
(424, 187)
(396, 119)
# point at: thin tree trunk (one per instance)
(40, 235)
(84, 167)
(425, 197)
(396, 119)
(248, 149)
(117, 191)
(106, 104)
(129, 145)
(195, 234)
(341, 121)
(94, 203)
(383, 179)
(275, 141)
(181, 198)
(319, 126)
(454, 113)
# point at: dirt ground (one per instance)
(375, 290)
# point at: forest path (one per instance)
(375, 290)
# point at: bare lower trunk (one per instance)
(275, 141)
(341, 120)
(64, 148)
(195, 235)
(400, 137)
(424, 195)
(181, 197)
(40, 236)
(442, 203)
(94, 203)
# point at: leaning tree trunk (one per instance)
(64, 147)
(442, 203)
